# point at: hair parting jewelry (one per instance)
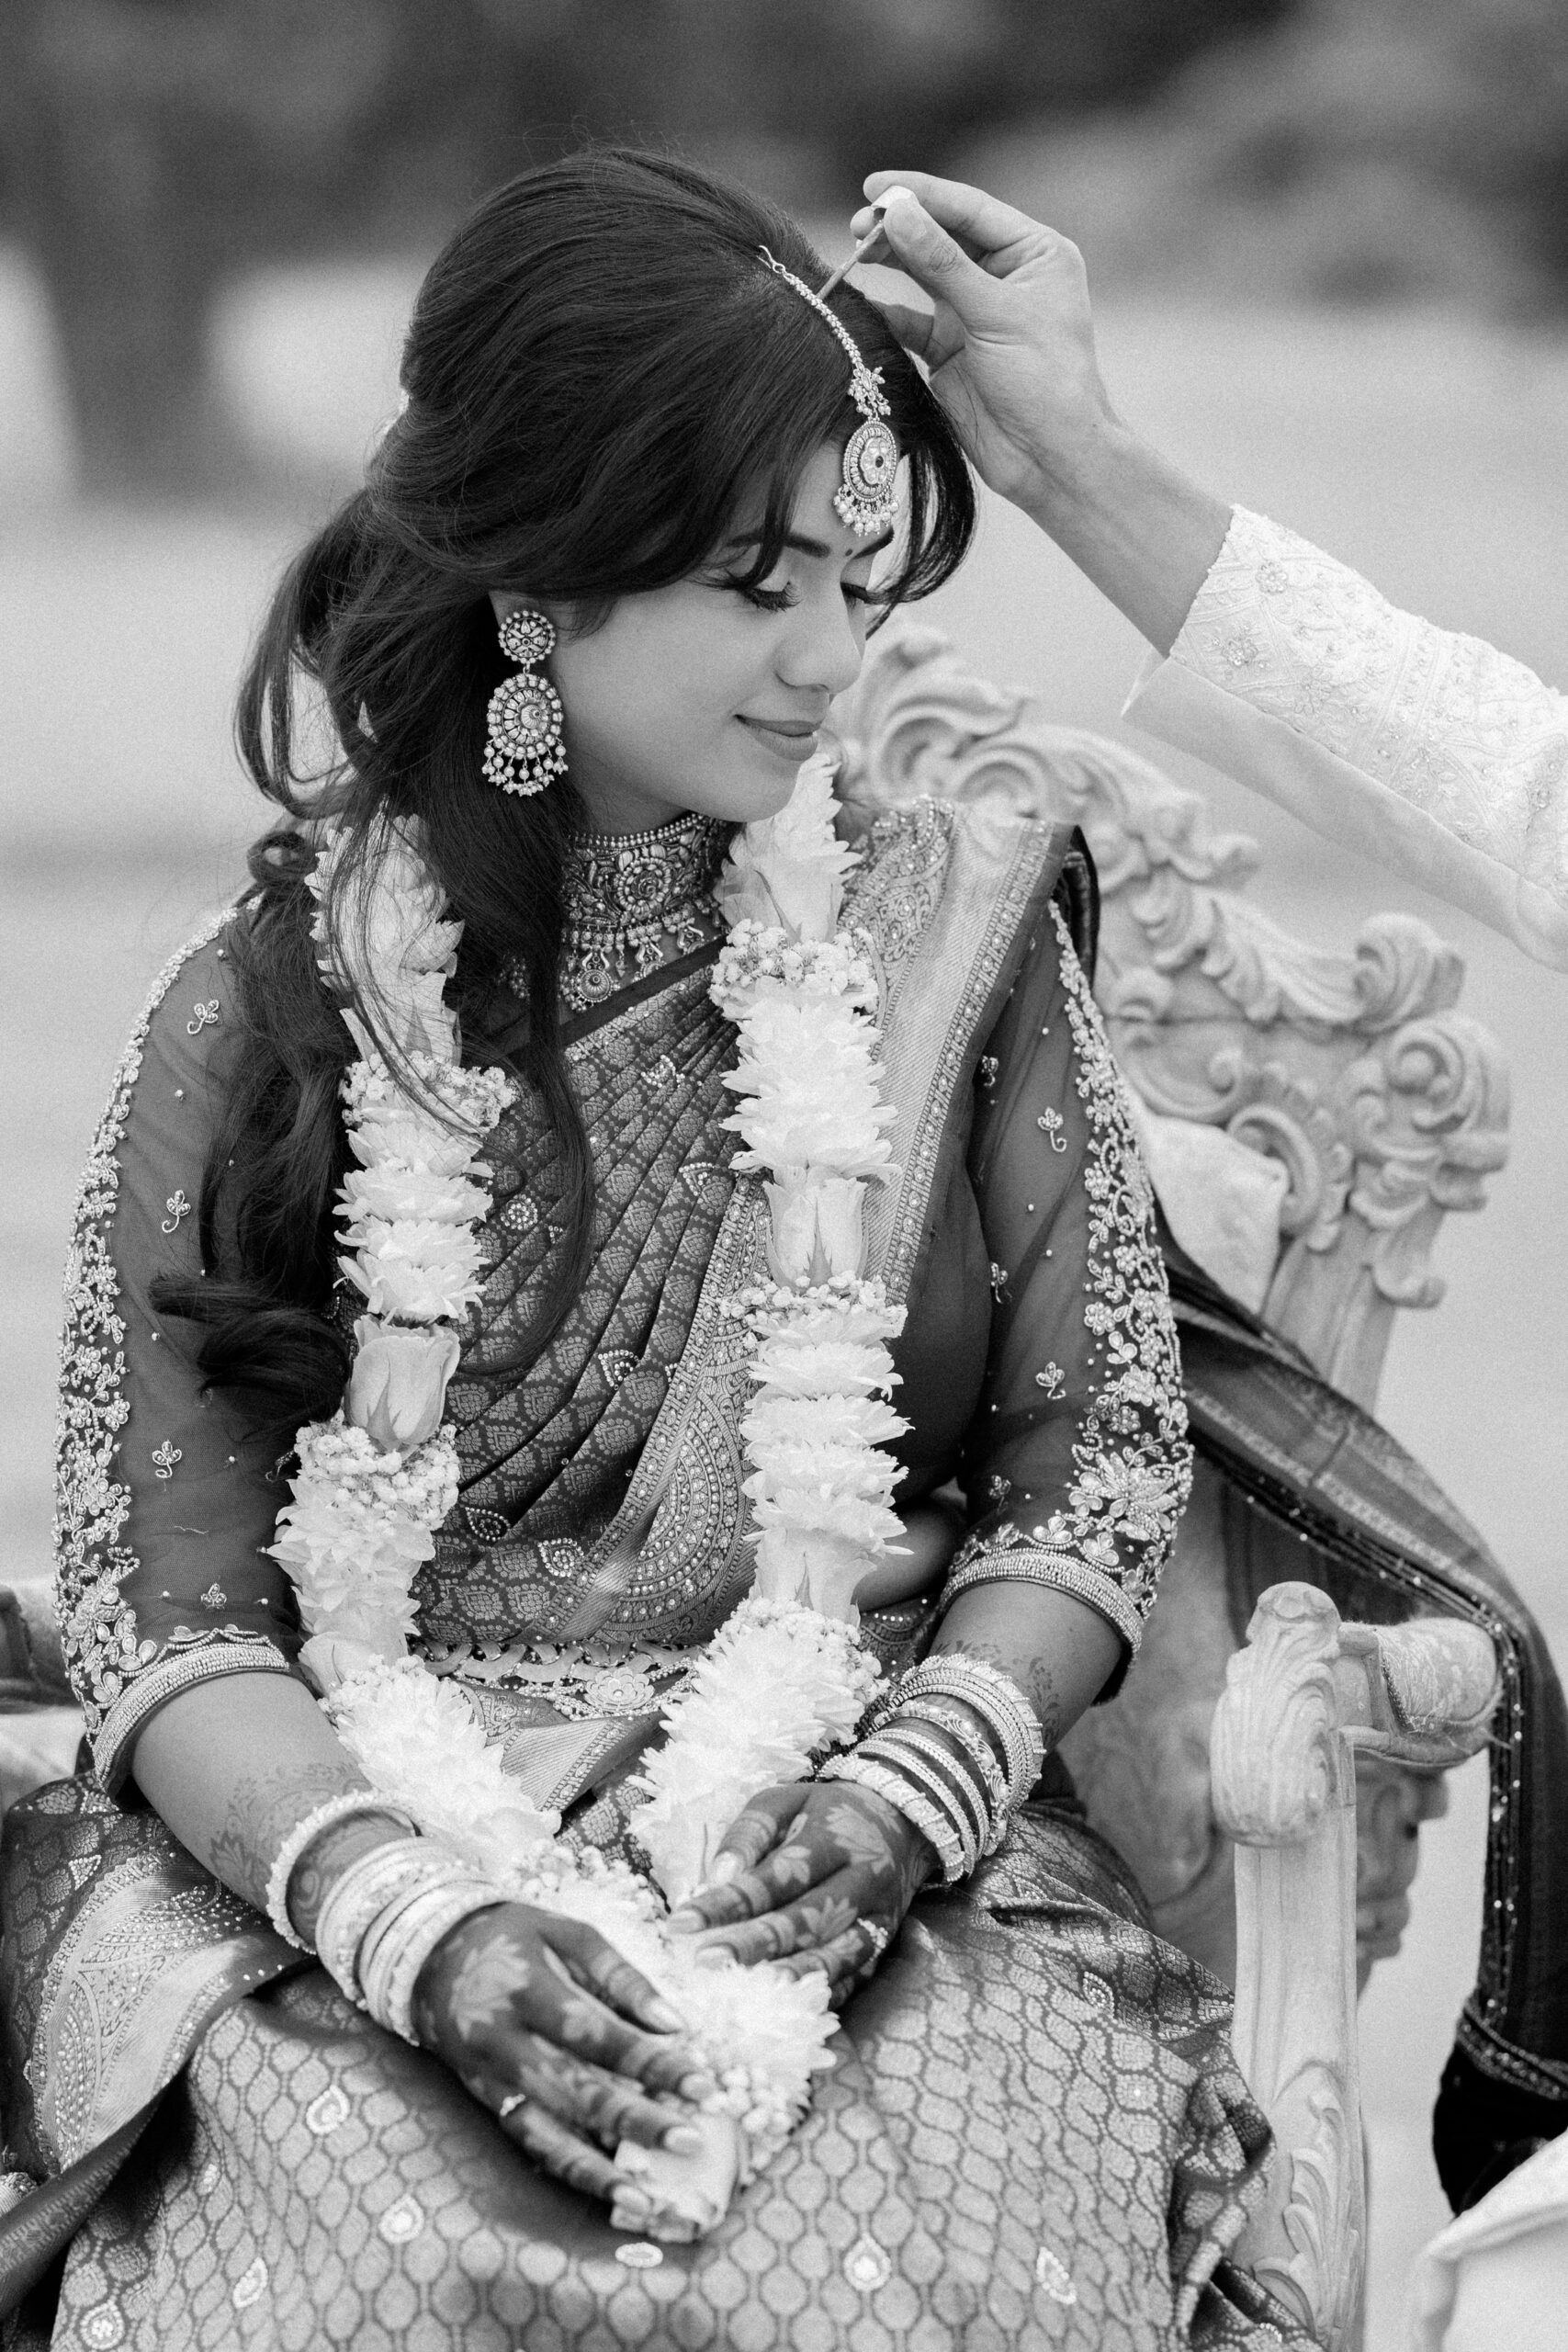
(523, 748)
(867, 501)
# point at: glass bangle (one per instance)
(916, 1809)
(353, 1803)
(973, 1742)
(899, 1757)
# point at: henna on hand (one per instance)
(819, 1875)
(568, 2045)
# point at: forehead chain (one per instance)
(865, 383)
(866, 501)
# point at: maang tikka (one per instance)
(868, 502)
(524, 725)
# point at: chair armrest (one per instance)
(1299, 1698)
(32, 1665)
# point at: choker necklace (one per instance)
(627, 894)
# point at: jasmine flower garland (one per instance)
(784, 1677)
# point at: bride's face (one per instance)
(700, 696)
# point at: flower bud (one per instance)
(817, 1230)
(397, 1390)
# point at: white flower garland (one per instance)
(784, 1677)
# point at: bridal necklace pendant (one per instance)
(630, 897)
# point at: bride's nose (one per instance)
(822, 650)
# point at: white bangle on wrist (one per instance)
(304, 1834)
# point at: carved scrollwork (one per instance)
(1426, 1113)
(1316, 2272)
(1274, 1751)
(1385, 1106)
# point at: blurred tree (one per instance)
(152, 148)
(1365, 150)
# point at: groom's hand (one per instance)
(1010, 345)
(1010, 349)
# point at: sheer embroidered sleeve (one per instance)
(162, 1506)
(1430, 753)
(1077, 1463)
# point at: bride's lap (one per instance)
(1033, 2136)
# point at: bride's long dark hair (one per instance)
(599, 370)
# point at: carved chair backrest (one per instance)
(1385, 1106)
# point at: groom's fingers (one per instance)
(982, 224)
(915, 330)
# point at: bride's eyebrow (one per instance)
(797, 542)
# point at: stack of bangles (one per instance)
(384, 1911)
(958, 1789)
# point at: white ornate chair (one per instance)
(1264, 1785)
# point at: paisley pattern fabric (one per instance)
(543, 1462)
(1428, 752)
(1035, 2136)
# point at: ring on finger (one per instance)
(511, 2103)
(875, 1937)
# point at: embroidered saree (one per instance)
(1034, 2133)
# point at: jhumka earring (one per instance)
(524, 747)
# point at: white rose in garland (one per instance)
(785, 1678)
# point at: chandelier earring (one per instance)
(523, 747)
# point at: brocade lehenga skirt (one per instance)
(1034, 2135)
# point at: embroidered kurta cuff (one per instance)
(1430, 753)
(998, 1562)
(183, 1665)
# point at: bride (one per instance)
(537, 1210)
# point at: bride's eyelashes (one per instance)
(783, 600)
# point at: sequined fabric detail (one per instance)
(1133, 1467)
(98, 1624)
(893, 892)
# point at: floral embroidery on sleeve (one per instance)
(103, 1651)
(1110, 1536)
(1456, 729)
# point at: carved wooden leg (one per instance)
(1303, 1695)
(1284, 1788)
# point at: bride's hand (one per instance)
(567, 2044)
(814, 1876)
(1010, 345)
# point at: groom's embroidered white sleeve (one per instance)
(1431, 753)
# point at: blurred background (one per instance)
(1328, 241)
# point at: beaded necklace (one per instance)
(629, 894)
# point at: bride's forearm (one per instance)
(235, 1764)
(1060, 1652)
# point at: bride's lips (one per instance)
(790, 739)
